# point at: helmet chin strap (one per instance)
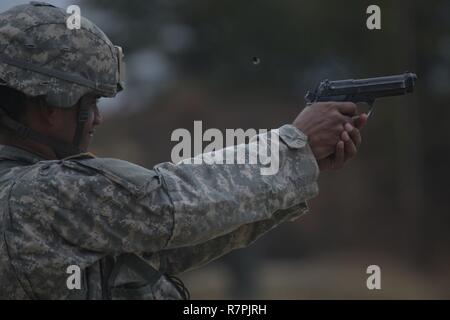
(82, 118)
(60, 148)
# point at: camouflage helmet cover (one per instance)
(40, 56)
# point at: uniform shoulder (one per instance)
(119, 171)
(90, 170)
(87, 177)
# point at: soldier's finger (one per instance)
(360, 120)
(355, 135)
(348, 127)
(339, 156)
(347, 108)
(350, 149)
(345, 136)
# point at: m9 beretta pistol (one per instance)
(362, 90)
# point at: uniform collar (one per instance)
(18, 154)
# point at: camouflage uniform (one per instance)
(80, 210)
(102, 214)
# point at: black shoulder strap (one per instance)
(135, 263)
(143, 269)
(61, 149)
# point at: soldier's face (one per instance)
(93, 121)
(68, 123)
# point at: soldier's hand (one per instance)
(323, 123)
(346, 148)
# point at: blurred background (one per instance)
(248, 64)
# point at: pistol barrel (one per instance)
(363, 90)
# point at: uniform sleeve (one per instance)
(113, 206)
(176, 261)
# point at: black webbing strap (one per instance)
(107, 266)
(139, 266)
(61, 149)
(146, 271)
(82, 118)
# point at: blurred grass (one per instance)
(333, 276)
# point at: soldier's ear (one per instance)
(41, 111)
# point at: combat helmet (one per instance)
(41, 56)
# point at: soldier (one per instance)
(127, 228)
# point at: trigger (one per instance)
(371, 108)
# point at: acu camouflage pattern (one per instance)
(37, 34)
(84, 211)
